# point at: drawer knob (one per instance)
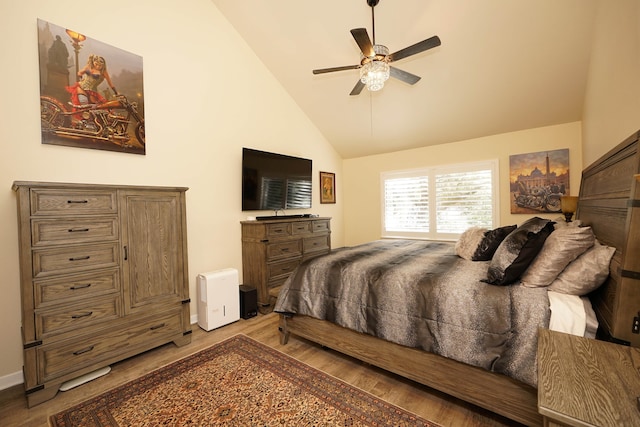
(79, 258)
(153, 328)
(79, 316)
(77, 201)
(84, 350)
(81, 286)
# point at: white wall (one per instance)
(206, 96)
(362, 202)
(612, 104)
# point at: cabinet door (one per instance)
(154, 270)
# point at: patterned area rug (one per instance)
(238, 382)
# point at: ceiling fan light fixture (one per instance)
(375, 72)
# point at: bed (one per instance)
(503, 380)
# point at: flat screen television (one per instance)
(272, 181)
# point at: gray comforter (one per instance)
(420, 294)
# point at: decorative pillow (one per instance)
(479, 244)
(561, 247)
(517, 250)
(469, 241)
(586, 273)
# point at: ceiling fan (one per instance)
(375, 58)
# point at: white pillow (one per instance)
(561, 247)
(586, 273)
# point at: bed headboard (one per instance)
(610, 203)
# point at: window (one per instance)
(439, 202)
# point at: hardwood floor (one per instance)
(421, 400)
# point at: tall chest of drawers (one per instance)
(272, 249)
(103, 276)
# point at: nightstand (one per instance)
(585, 382)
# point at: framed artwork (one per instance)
(538, 180)
(327, 187)
(91, 93)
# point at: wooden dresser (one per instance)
(272, 249)
(585, 382)
(103, 277)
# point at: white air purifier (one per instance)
(218, 298)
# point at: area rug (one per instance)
(238, 382)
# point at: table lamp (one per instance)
(568, 205)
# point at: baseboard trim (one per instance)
(194, 319)
(11, 380)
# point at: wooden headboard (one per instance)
(610, 203)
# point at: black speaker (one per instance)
(248, 301)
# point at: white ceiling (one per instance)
(504, 65)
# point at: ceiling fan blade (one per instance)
(357, 88)
(403, 75)
(416, 48)
(330, 70)
(364, 42)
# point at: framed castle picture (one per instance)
(538, 180)
(91, 93)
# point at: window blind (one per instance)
(439, 202)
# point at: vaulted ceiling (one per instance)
(504, 65)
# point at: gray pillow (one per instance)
(517, 250)
(586, 273)
(561, 247)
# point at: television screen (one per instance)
(273, 181)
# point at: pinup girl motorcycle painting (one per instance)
(80, 106)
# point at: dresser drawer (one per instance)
(281, 270)
(58, 359)
(320, 226)
(66, 231)
(72, 202)
(285, 249)
(73, 259)
(298, 228)
(80, 315)
(279, 230)
(77, 287)
(312, 244)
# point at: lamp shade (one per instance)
(75, 36)
(569, 204)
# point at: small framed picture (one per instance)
(327, 187)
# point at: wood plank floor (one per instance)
(421, 400)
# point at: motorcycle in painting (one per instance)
(108, 121)
(541, 198)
